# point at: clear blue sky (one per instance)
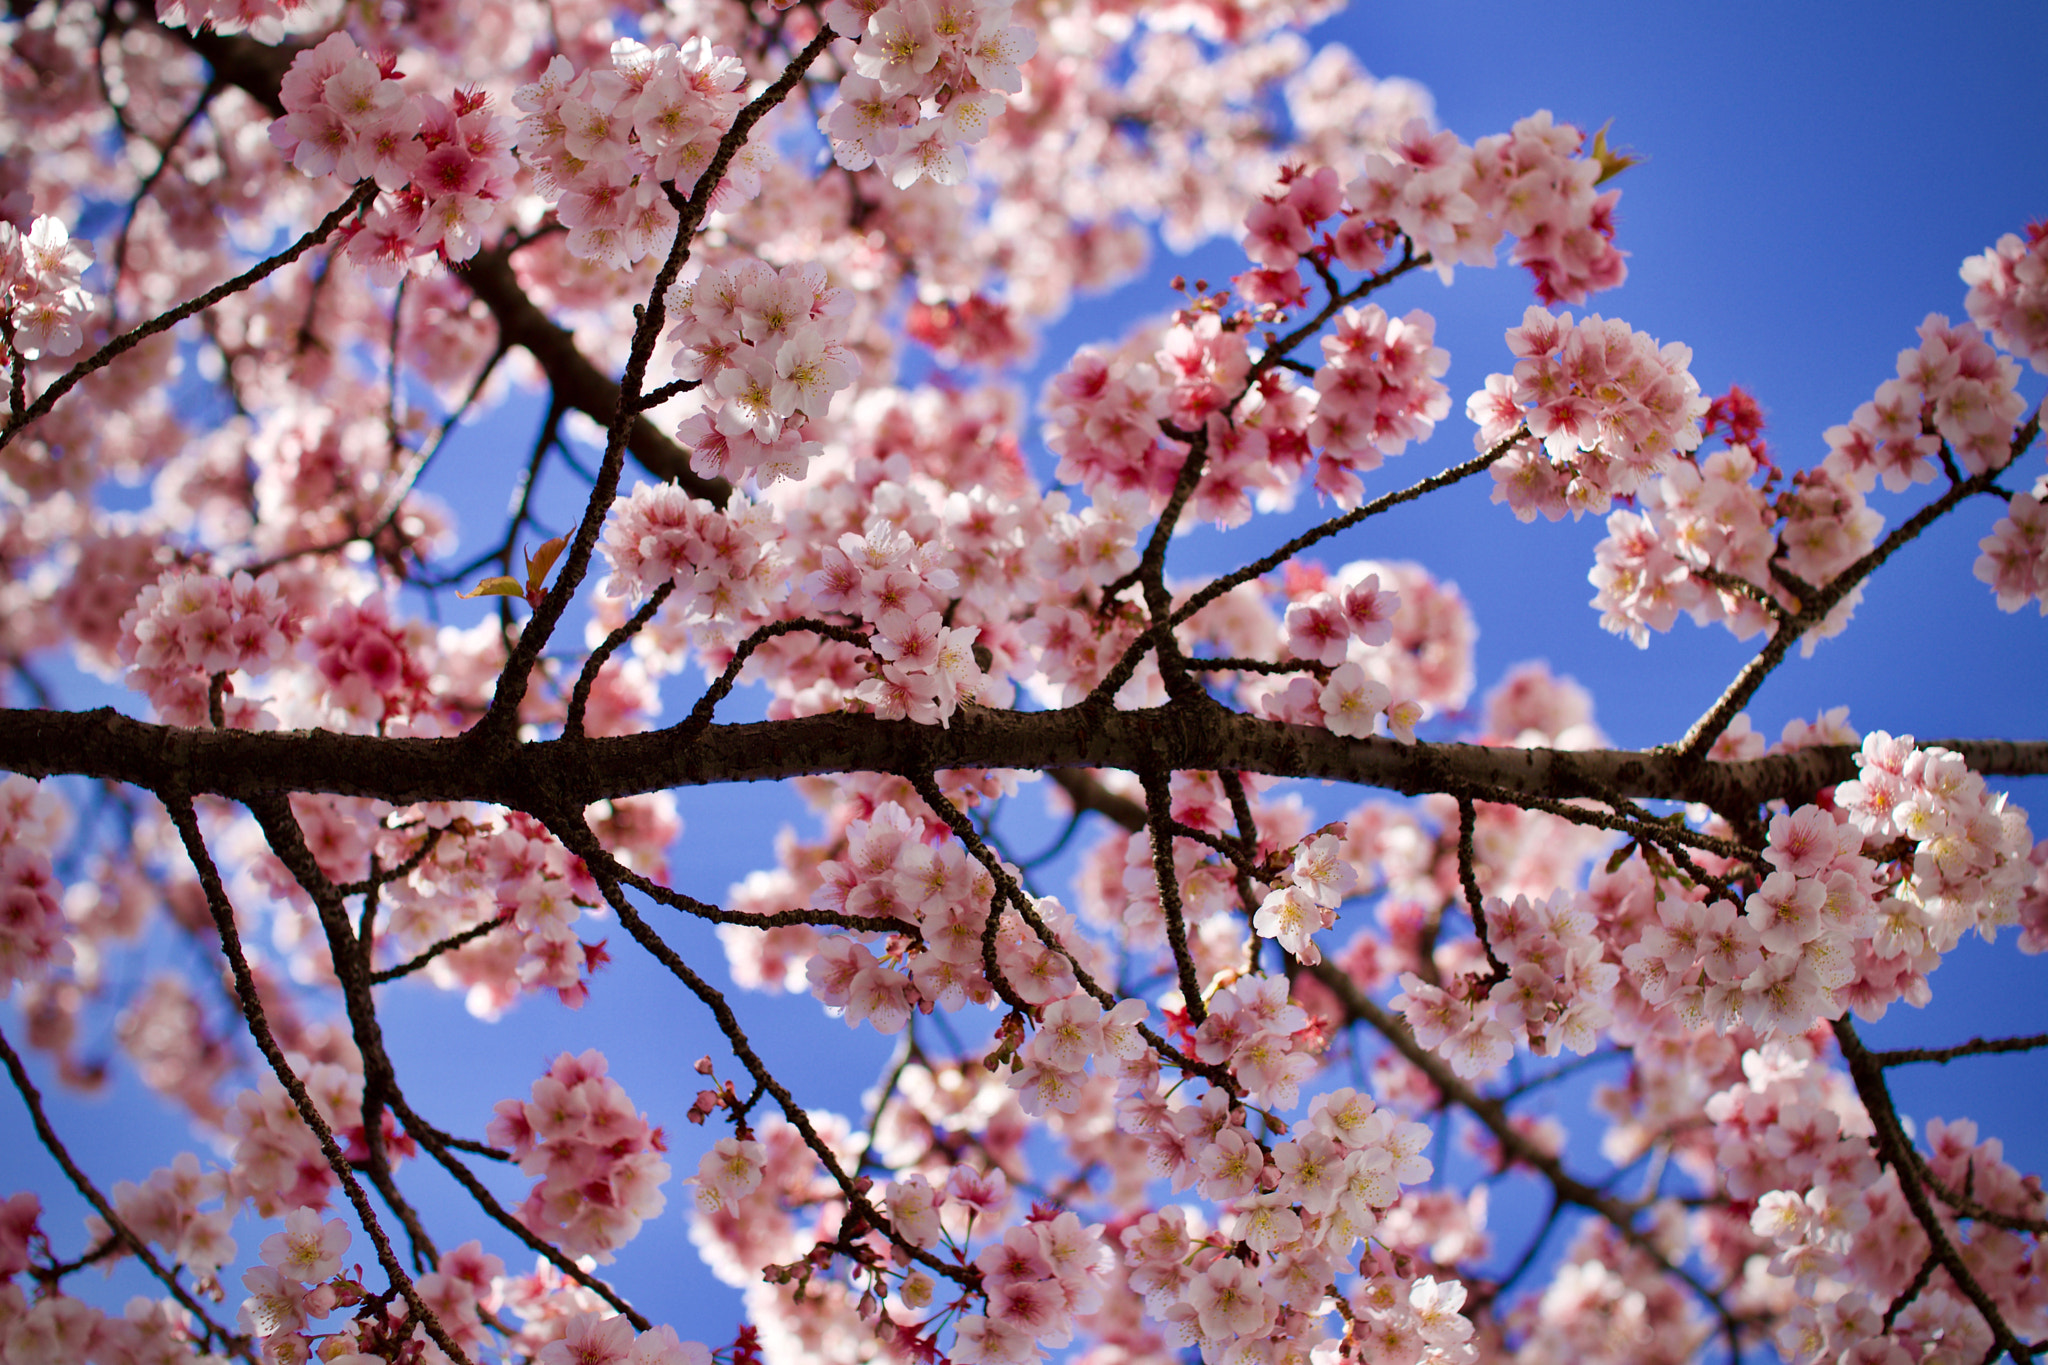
(1815, 175)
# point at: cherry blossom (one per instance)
(598, 1163)
(1190, 1050)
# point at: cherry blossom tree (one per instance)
(1229, 1062)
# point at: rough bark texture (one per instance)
(239, 764)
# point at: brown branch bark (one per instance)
(183, 817)
(121, 1236)
(575, 381)
(240, 764)
(1895, 1150)
(257, 70)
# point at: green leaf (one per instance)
(1612, 160)
(495, 587)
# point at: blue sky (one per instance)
(1815, 175)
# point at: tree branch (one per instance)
(163, 322)
(179, 804)
(1895, 1150)
(123, 1235)
(238, 764)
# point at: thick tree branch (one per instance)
(239, 764)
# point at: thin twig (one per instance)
(499, 724)
(1894, 1149)
(1265, 564)
(579, 839)
(1976, 1047)
(122, 1233)
(446, 945)
(579, 697)
(163, 322)
(1159, 811)
(187, 823)
(1816, 605)
(1468, 878)
(1516, 1144)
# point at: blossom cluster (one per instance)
(1268, 1043)
(1278, 230)
(167, 1209)
(1420, 1320)
(973, 331)
(1826, 930)
(42, 298)
(1791, 954)
(889, 870)
(598, 1161)
(1394, 642)
(1306, 898)
(897, 586)
(58, 1327)
(1534, 708)
(1102, 420)
(1119, 885)
(1556, 995)
(1038, 1279)
(604, 143)
(609, 1339)
(2009, 293)
(722, 560)
(515, 876)
(372, 667)
(1704, 524)
(345, 115)
(929, 77)
(740, 1233)
(466, 1287)
(1842, 1240)
(1377, 389)
(1302, 1208)
(1428, 660)
(1048, 1070)
(1607, 405)
(2015, 558)
(445, 165)
(32, 926)
(1457, 202)
(287, 1290)
(893, 544)
(1952, 390)
(265, 21)
(765, 347)
(1970, 856)
(1350, 704)
(190, 626)
(278, 1162)
(1075, 551)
